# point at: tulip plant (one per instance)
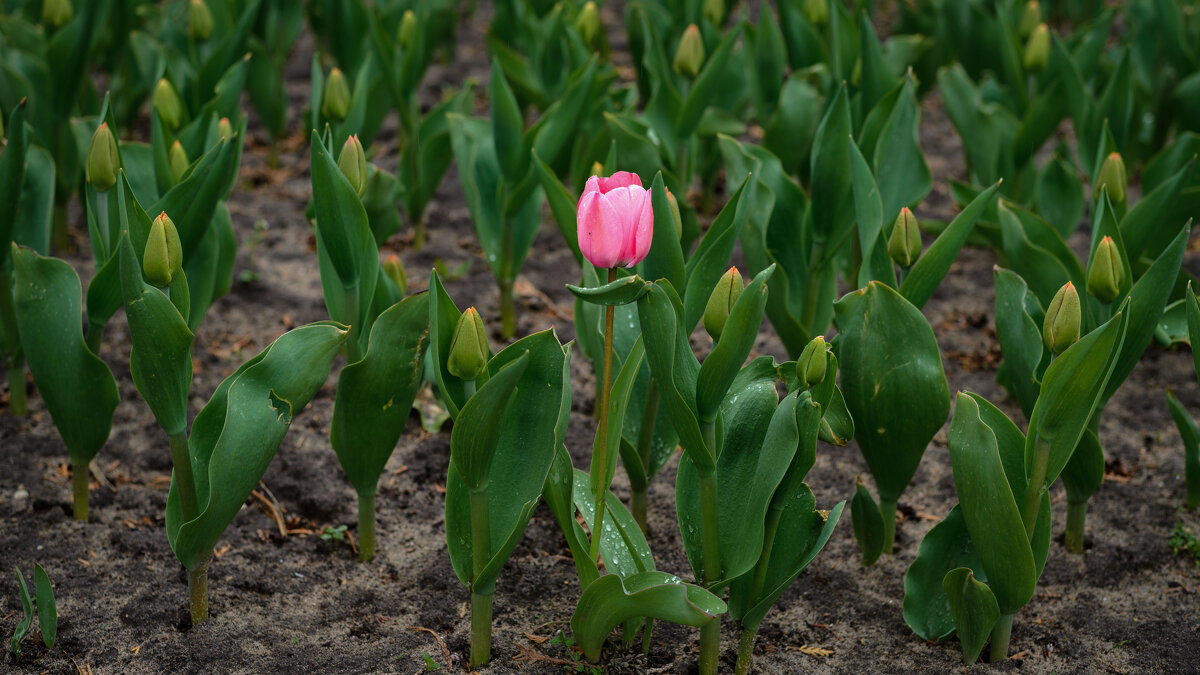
(47, 612)
(1188, 431)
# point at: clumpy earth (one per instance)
(286, 599)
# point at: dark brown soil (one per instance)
(298, 603)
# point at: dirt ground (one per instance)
(300, 603)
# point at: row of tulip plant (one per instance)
(823, 202)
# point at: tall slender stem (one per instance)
(645, 447)
(79, 483)
(184, 482)
(887, 509)
(710, 633)
(508, 309)
(95, 334)
(1076, 517)
(198, 592)
(353, 353)
(13, 361)
(812, 290)
(366, 526)
(746, 644)
(745, 650)
(1033, 493)
(1001, 636)
(481, 604)
(600, 450)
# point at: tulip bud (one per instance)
(56, 13)
(1107, 272)
(200, 21)
(1037, 50)
(597, 169)
(714, 11)
(353, 163)
(1030, 18)
(587, 24)
(689, 56)
(716, 312)
(178, 160)
(1112, 176)
(904, 246)
(810, 367)
(163, 259)
(336, 104)
(102, 160)
(1061, 328)
(816, 11)
(408, 29)
(166, 101)
(224, 129)
(469, 347)
(394, 269)
(676, 218)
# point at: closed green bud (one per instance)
(394, 269)
(1030, 19)
(587, 24)
(166, 101)
(1107, 273)
(163, 259)
(716, 312)
(353, 163)
(408, 29)
(102, 160)
(178, 160)
(689, 56)
(816, 11)
(714, 11)
(469, 348)
(676, 218)
(200, 21)
(810, 367)
(336, 103)
(56, 13)
(1112, 176)
(904, 246)
(1061, 328)
(597, 169)
(1037, 50)
(224, 129)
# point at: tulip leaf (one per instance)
(721, 366)
(559, 493)
(1043, 270)
(832, 203)
(945, 547)
(990, 510)
(1020, 338)
(12, 177)
(928, 272)
(620, 292)
(892, 380)
(443, 320)
(562, 204)
(867, 523)
(375, 395)
(837, 426)
(610, 601)
(526, 441)
(1191, 448)
(473, 445)
(235, 436)
(161, 357)
(193, 201)
(665, 258)
(508, 126)
(33, 228)
(341, 219)
(47, 609)
(711, 259)
(1193, 323)
(900, 168)
(974, 609)
(76, 385)
(1084, 472)
(1143, 228)
(623, 547)
(26, 622)
(618, 400)
(708, 85)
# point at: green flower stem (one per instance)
(745, 650)
(198, 592)
(1033, 493)
(419, 233)
(95, 334)
(13, 361)
(60, 236)
(481, 605)
(508, 309)
(600, 452)
(353, 353)
(184, 482)
(1076, 516)
(887, 509)
(366, 525)
(710, 633)
(710, 647)
(1001, 635)
(645, 443)
(79, 483)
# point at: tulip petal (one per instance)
(619, 179)
(643, 233)
(592, 185)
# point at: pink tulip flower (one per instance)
(616, 220)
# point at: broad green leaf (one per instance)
(945, 547)
(1020, 338)
(708, 84)
(1042, 269)
(235, 436)
(1193, 323)
(832, 206)
(37, 202)
(900, 167)
(1059, 195)
(508, 126)
(620, 292)
(12, 177)
(618, 399)
(1084, 472)
(928, 272)
(559, 493)
(728, 354)
(877, 265)
(77, 387)
(562, 204)
(711, 259)
(665, 259)
(443, 320)
(1144, 229)
(477, 427)
(341, 219)
(974, 609)
(1172, 327)
(990, 510)
(610, 601)
(193, 201)
(1191, 449)
(892, 380)
(375, 395)
(877, 76)
(623, 547)
(47, 610)
(867, 523)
